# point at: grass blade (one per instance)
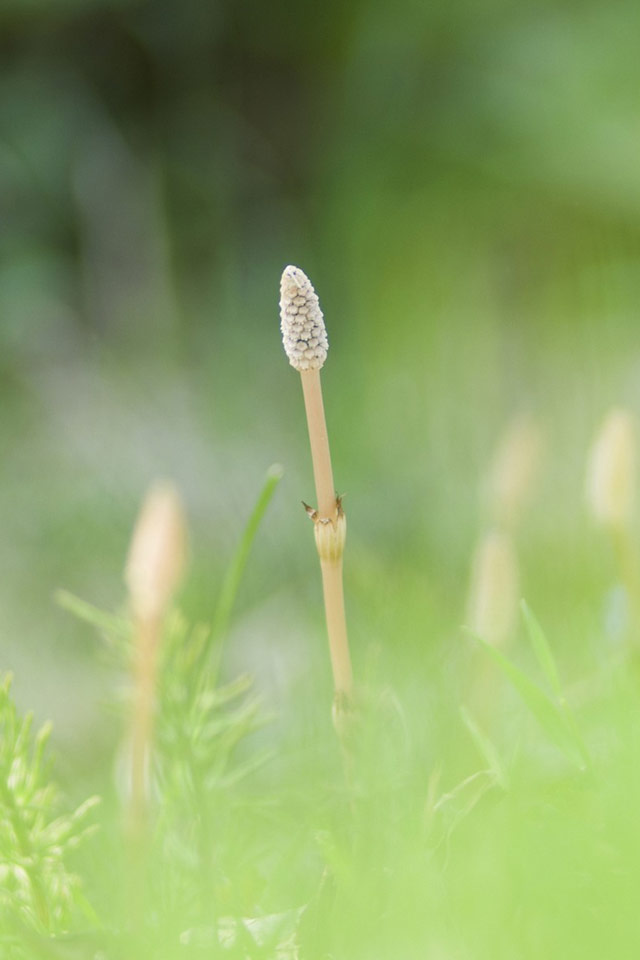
(104, 622)
(547, 661)
(233, 576)
(549, 715)
(487, 748)
(542, 650)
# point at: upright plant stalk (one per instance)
(494, 595)
(154, 569)
(611, 495)
(305, 342)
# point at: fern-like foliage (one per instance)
(37, 890)
(200, 756)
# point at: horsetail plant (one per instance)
(611, 495)
(154, 569)
(305, 342)
(494, 592)
(611, 474)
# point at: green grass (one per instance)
(460, 189)
(508, 836)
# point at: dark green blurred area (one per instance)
(461, 183)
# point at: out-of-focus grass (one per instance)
(458, 185)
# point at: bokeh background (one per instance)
(461, 183)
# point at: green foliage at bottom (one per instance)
(497, 822)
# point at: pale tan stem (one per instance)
(147, 635)
(147, 643)
(337, 627)
(320, 455)
(330, 532)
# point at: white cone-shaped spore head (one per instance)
(303, 331)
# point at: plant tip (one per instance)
(157, 553)
(303, 331)
(611, 472)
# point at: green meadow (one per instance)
(460, 185)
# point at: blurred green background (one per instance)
(460, 182)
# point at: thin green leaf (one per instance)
(456, 805)
(547, 713)
(547, 661)
(487, 748)
(233, 576)
(243, 770)
(106, 622)
(221, 696)
(542, 650)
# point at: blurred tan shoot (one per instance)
(155, 565)
(611, 482)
